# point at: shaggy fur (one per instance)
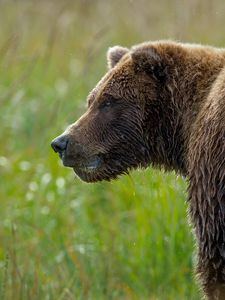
(162, 104)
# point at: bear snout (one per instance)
(59, 144)
(73, 154)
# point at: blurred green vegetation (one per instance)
(59, 237)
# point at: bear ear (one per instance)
(147, 59)
(114, 55)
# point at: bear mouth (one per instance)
(91, 165)
(100, 168)
(88, 169)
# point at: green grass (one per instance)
(63, 239)
(60, 238)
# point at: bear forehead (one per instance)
(114, 82)
(122, 73)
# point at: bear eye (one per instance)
(107, 103)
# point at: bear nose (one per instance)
(59, 144)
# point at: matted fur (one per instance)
(162, 104)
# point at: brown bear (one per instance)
(161, 104)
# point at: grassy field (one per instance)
(60, 238)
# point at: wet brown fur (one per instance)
(166, 107)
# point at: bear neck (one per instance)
(179, 101)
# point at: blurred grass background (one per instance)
(60, 238)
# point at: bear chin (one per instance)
(89, 177)
(99, 174)
(84, 176)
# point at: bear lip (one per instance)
(87, 171)
(88, 165)
(92, 165)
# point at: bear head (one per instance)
(119, 130)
